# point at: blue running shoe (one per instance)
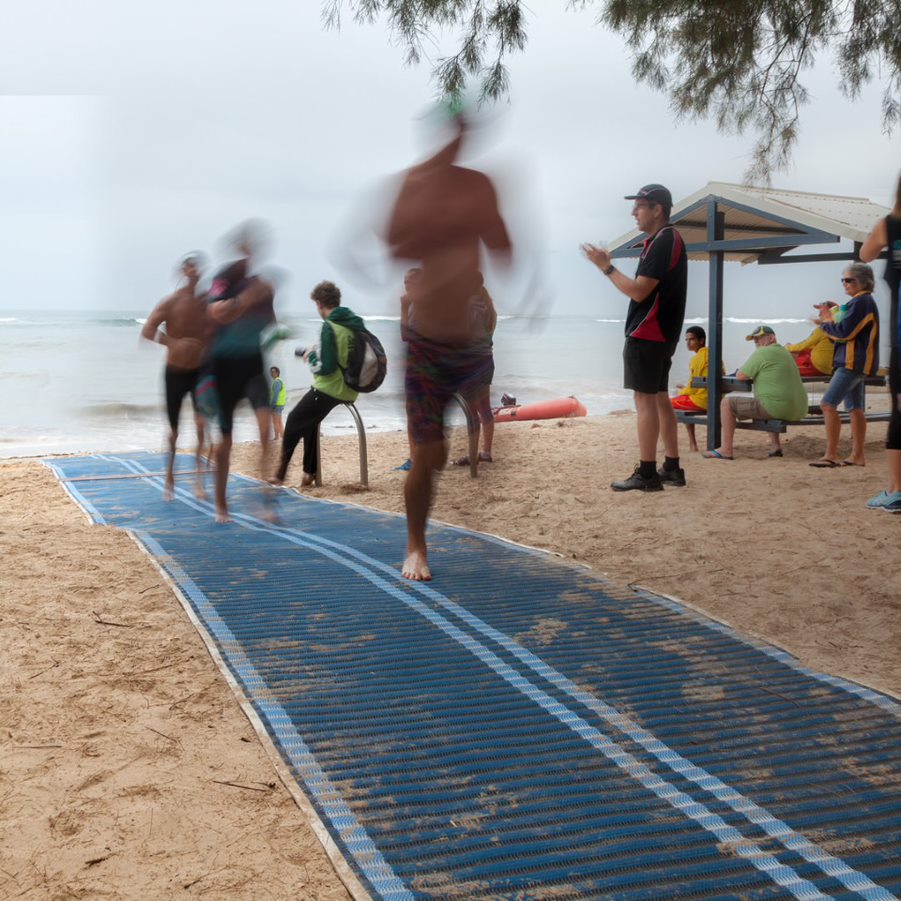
(886, 500)
(875, 503)
(404, 467)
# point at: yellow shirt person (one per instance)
(814, 354)
(691, 399)
(697, 368)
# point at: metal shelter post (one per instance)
(716, 228)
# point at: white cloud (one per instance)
(215, 111)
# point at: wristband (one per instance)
(609, 269)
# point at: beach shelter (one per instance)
(749, 224)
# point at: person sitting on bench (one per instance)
(813, 355)
(778, 392)
(691, 399)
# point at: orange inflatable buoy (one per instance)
(558, 408)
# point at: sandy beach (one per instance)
(128, 769)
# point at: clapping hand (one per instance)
(597, 255)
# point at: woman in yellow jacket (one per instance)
(814, 354)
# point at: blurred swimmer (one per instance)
(186, 337)
(406, 322)
(482, 310)
(441, 218)
(242, 307)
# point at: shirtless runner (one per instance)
(442, 216)
(186, 339)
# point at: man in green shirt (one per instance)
(778, 392)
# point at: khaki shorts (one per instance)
(748, 408)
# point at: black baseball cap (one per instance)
(654, 193)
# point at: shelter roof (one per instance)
(762, 222)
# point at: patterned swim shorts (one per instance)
(435, 373)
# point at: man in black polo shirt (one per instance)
(653, 328)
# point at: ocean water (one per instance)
(78, 382)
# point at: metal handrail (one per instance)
(361, 441)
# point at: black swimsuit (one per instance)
(179, 382)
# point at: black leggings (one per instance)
(303, 422)
(893, 440)
(236, 378)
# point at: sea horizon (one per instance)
(84, 381)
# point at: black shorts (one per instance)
(236, 378)
(179, 382)
(646, 365)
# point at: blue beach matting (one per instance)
(519, 728)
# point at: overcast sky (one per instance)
(131, 133)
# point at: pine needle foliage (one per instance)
(738, 62)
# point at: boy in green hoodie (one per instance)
(327, 361)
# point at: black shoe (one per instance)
(672, 476)
(637, 482)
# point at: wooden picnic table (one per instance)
(731, 383)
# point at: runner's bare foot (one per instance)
(268, 514)
(268, 508)
(416, 567)
(276, 483)
(222, 516)
(200, 491)
(169, 491)
(307, 480)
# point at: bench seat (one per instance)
(777, 425)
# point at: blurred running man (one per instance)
(406, 322)
(442, 216)
(241, 317)
(186, 338)
(482, 310)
